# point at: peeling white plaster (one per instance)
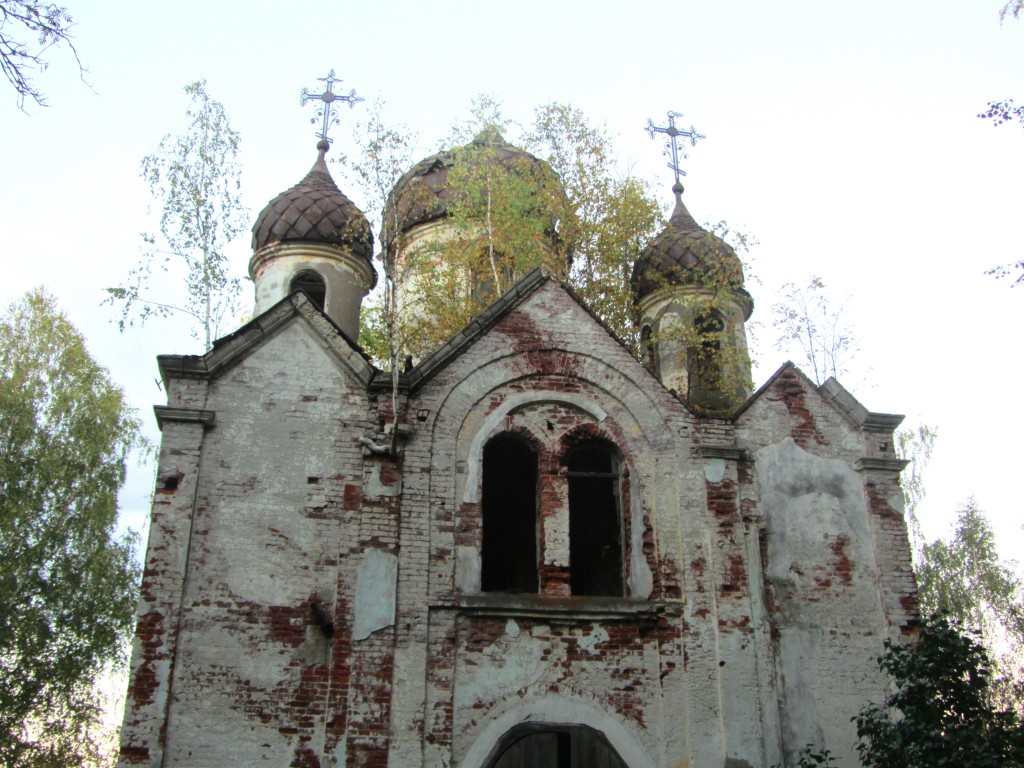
(511, 628)
(467, 569)
(375, 593)
(806, 501)
(714, 470)
(375, 488)
(641, 580)
(589, 642)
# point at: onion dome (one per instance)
(684, 253)
(423, 193)
(314, 211)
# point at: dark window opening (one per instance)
(705, 356)
(483, 288)
(509, 502)
(536, 746)
(312, 284)
(595, 528)
(650, 357)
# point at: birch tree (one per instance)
(195, 178)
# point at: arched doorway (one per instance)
(543, 745)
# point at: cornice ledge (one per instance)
(165, 413)
(729, 452)
(869, 464)
(571, 608)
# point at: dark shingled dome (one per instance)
(684, 253)
(314, 211)
(423, 193)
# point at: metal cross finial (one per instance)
(327, 113)
(672, 148)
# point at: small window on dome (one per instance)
(704, 356)
(647, 349)
(312, 284)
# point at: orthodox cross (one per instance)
(672, 148)
(327, 113)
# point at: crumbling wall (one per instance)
(649, 661)
(823, 566)
(278, 561)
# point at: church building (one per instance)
(550, 554)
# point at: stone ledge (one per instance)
(566, 608)
(166, 413)
(880, 465)
(731, 452)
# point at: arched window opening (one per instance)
(595, 522)
(490, 276)
(705, 356)
(312, 284)
(509, 502)
(650, 356)
(546, 746)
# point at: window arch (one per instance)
(705, 355)
(509, 508)
(313, 285)
(595, 520)
(648, 350)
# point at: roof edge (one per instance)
(477, 327)
(236, 345)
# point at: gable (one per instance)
(790, 405)
(536, 313)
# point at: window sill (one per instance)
(512, 605)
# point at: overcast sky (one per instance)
(843, 136)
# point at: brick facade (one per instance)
(310, 600)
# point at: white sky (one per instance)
(842, 136)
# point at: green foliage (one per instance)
(67, 586)
(569, 210)
(915, 447)
(965, 578)
(28, 29)
(806, 315)
(707, 334)
(506, 215)
(484, 110)
(373, 334)
(812, 757)
(1012, 8)
(196, 178)
(940, 712)
(611, 215)
(573, 214)
(385, 153)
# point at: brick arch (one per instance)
(490, 427)
(557, 711)
(640, 565)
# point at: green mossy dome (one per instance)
(684, 253)
(423, 194)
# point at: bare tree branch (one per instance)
(28, 30)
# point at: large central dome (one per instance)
(425, 194)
